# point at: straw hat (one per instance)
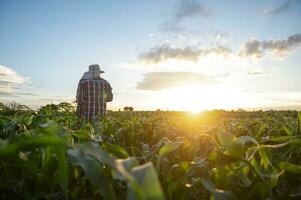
(95, 69)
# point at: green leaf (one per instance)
(237, 147)
(63, 169)
(48, 136)
(290, 167)
(217, 193)
(124, 167)
(162, 141)
(225, 138)
(178, 171)
(242, 179)
(97, 153)
(7, 149)
(81, 134)
(168, 148)
(274, 177)
(115, 150)
(282, 138)
(42, 140)
(246, 139)
(94, 172)
(219, 158)
(287, 131)
(262, 129)
(264, 161)
(261, 190)
(128, 164)
(145, 176)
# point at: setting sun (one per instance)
(196, 98)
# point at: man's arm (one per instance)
(109, 93)
(79, 93)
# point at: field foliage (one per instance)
(48, 154)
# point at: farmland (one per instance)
(48, 154)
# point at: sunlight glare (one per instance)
(196, 98)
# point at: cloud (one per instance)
(191, 8)
(16, 94)
(258, 73)
(16, 87)
(212, 60)
(10, 76)
(67, 99)
(221, 75)
(287, 5)
(164, 80)
(6, 94)
(186, 9)
(10, 81)
(256, 48)
(220, 35)
(27, 94)
(165, 52)
(245, 90)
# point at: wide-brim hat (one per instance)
(95, 69)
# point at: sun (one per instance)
(197, 98)
(194, 112)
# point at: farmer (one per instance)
(93, 93)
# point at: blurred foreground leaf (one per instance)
(146, 178)
(217, 193)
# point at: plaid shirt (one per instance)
(92, 96)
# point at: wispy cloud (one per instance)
(191, 8)
(164, 80)
(284, 7)
(256, 48)
(26, 94)
(10, 81)
(184, 10)
(6, 94)
(165, 52)
(220, 35)
(258, 73)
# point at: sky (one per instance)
(171, 55)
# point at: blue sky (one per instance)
(154, 51)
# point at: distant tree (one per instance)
(48, 109)
(128, 108)
(241, 110)
(3, 107)
(66, 107)
(13, 108)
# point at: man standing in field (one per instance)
(93, 93)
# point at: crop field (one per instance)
(48, 154)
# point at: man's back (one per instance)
(92, 96)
